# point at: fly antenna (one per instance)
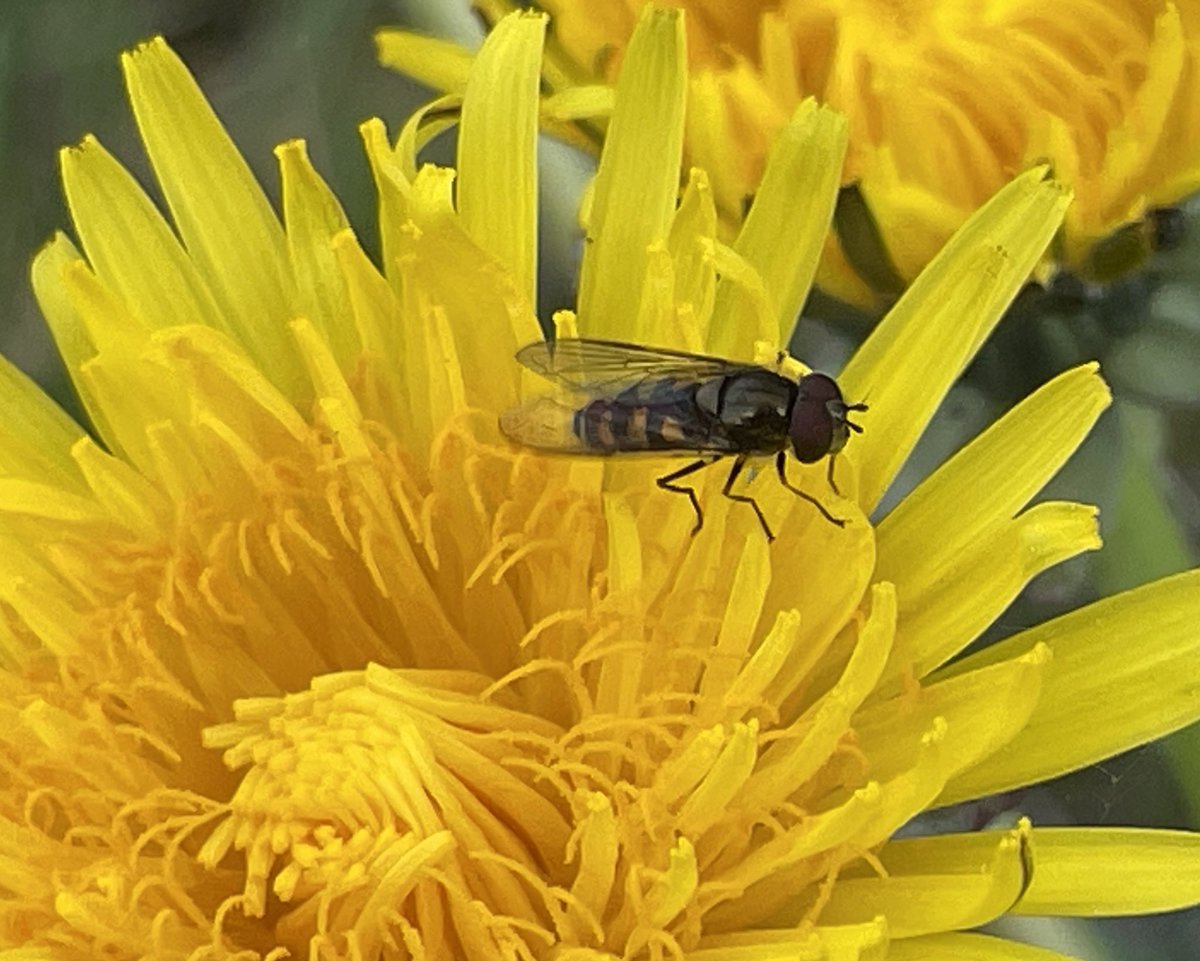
(857, 428)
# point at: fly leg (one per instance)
(745, 498)
(781, 469)
(829, 475)
(667, 483)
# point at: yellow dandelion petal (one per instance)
(927, 885)
(780, 240)
(373, 306)
(976, 275)
(987, 575)
(638, 179)
(1093, 871)
(982, 710)
(778, 58)
(1152, 156)
(393, 187)
(692, 243)
(968, 947)
(222, 215)
(578, 103)
(430, 236)
(49, 268)
(497, 162)
(37, 436)
(982, 482)
(1109, 686)
(436, 63)
(312, 216)
(116, 221)
(923, 557)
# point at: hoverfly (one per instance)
(628, 398)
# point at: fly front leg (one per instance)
(667, 483)
(829, 475)
(745, 498)
(781, 469)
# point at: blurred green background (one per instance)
(276, 70)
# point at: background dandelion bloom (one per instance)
(304, 659)
(945, 102)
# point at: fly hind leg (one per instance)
(727, 490)
(667, 483)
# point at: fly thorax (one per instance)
(708, 396)
(752, 401)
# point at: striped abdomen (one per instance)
(656, 415)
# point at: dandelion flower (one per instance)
(945, 104)
(304, 660)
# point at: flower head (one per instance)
(304, 660)
(945, 104)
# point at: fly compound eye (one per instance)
(818, 425)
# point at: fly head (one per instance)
(819, 424)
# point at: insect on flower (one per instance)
(623, 398)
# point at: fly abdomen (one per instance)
(601, 425)
(656, 416)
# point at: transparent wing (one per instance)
(586, 364)
(545, 422)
